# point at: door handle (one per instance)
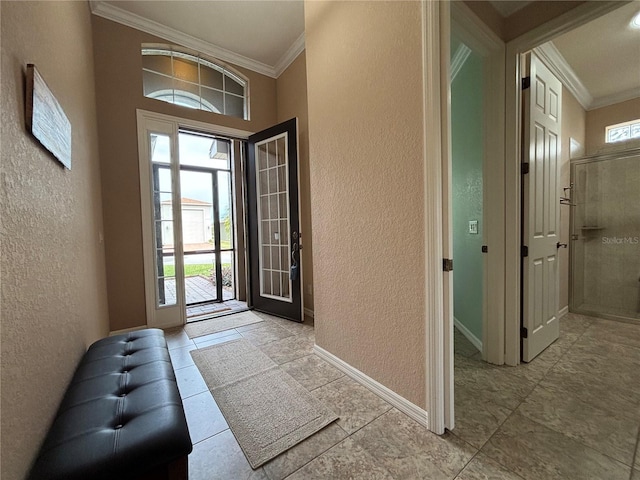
(561, 245)
(294, 270)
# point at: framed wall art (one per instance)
(45, 118)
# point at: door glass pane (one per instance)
(225, 210)
(160, 148)
(605, 240)
(198, 236)
(207, 220)
(274, 233)
(166, 291)
(228, 286)
(196, 206)
(166, 281)
(199, 277)
(163, 234)
(202, 150)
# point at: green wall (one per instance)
(467, 152)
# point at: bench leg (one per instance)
(176, 470)
(179, 469)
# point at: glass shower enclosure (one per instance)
(605, 235)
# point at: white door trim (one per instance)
(170, 125)
(196, 125)
(578, 16)
(438, 343)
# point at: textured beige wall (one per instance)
(364, 72)
(118, 67)
(292, 102)
(573, 126)
(600, 118)
(53, 291)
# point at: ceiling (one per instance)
(267, 35)
(605, 55)
(254, 34)
(508, 7)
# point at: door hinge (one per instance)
(525, 251)
(526, 83)
(485, 248)
(447, 264)
(524, 333)
(525, 168)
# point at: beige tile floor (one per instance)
(572, 413)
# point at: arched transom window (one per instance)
(192, 81)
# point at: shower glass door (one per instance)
(605, 240)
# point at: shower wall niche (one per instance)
(605, 240)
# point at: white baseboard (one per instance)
(563, 311)
(127, 330)
(467, 333)
(308, 313)
(401, 403)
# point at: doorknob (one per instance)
(561, 245)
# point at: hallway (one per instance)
(572, 413)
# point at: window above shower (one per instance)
(622, 132)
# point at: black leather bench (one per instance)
(121, 416)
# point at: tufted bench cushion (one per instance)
(121, 416)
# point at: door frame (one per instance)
(486, 43)
(438, 205)
(143, 117)
(438, 285)
(575, 17)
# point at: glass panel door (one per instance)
(273, 215)
(164, 284)
(274, 224)
(163, 234)
(187, 179)
(227, 241)
(207, 219)
(197, 209)
(605, 240)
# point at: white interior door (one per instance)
(541, 209)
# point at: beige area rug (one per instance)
(267, 410)
(215, 325)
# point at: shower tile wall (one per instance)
(606, 267)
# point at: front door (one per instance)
(274, 227)
(207, 218)
(541, 209)
(189, 230)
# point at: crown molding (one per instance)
(615, 98)
(559, 66)
(457, 62)
(290, 55)
(132, 20)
